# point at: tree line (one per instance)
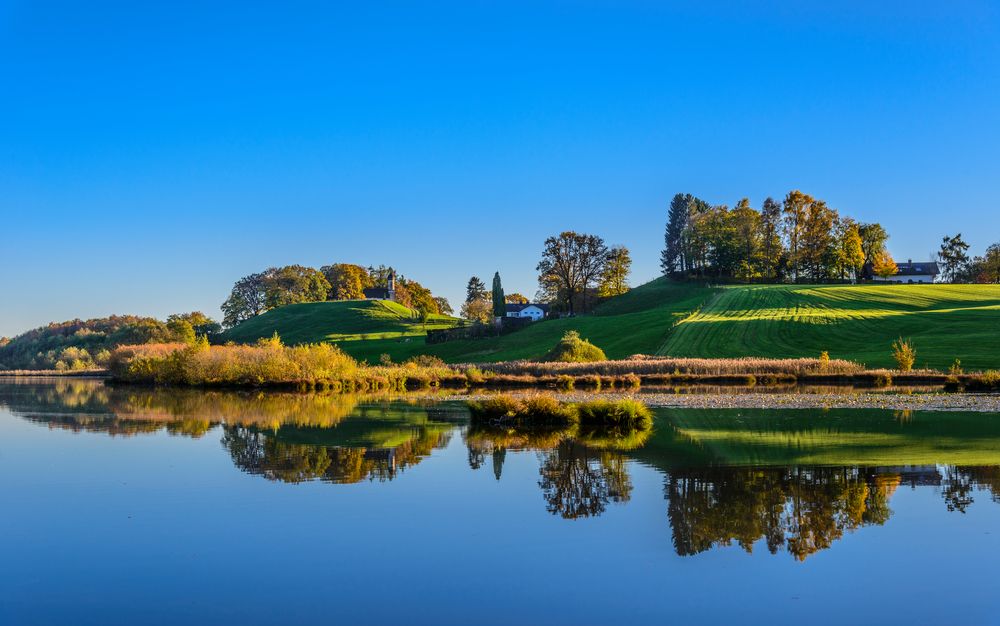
(958, 267)
(291, 284)
(86, 344)
(799, 238)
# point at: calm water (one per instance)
(137, 506)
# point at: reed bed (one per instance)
(644, 366)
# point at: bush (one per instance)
(627, 413)
(426, 360)
(498, 406)
(824, 360)
(904, 354)
(572, 349)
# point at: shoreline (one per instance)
(847, 399)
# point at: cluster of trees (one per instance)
(291, 284)
(800, 238)
(577, 269)
(79, 344)
(958, 267)
(483, 306)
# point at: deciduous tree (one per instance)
(614, 278)
(571, 262)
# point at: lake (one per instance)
(125, 505)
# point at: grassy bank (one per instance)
(851, 322)
(858, 323)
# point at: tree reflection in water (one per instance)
(804, 509)
(579, 482)
(261, 453)
(715, 494)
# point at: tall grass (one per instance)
(541, 409)
(643, 365)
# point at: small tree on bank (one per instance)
(904, 354)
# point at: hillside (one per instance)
(341, 322)
(851, 322)
(660, 317)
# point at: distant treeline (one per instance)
(800, 238)
(80, 345)
(292, 284)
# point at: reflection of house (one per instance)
(914, 475)
(911, 272)
(383, 293)
(534, 312)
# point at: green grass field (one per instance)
(851, 322)
(338, 322)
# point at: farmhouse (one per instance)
(383, 293)
(534, 312)
(911, 272)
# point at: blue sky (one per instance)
(151, 155)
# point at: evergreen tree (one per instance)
(953, 256)
(475, 290)
(672, 257)
(499, 304)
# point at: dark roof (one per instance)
(517, 308)
(914, 269)
(380, 293)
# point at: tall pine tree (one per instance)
(499, 303)
(672, 258)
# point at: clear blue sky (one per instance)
(150, 156)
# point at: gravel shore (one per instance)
(838, 399)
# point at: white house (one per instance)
(911, 272)
(534, 312)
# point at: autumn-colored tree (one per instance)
(884, 266)
(614, 278)
(477, 310)
(796, 211)
(347, 281)
(292, 284)
(516, 298)
(873, 240)
(851, 253)
(444, 307)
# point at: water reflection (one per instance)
(783, 481)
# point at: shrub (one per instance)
(956, 368)
(824, 360)
(546, 409)
(425, 360)
(904, 354)
(622, 413)
(497, 406)
(572, 349)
